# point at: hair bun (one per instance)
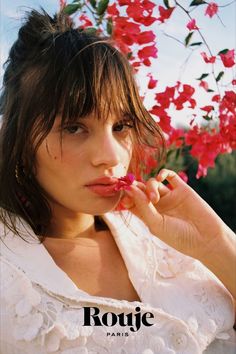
(38, 27)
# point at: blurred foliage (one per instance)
(218, 189)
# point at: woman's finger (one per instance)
(172, 177)
(152, 190)
(143, 207)
(163, 190)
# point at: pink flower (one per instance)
(201, 172)
(204, 85)
(228, 58)
(62, 4)
(211, 9)
(192, 25)
(208, 59)
(183, 175)
(124, 182)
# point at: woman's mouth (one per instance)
(105, 190)
(110, 190)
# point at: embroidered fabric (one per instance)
(46, 321)
(193, 312)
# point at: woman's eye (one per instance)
(122, 127)
(73, 129)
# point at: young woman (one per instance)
(77, 274)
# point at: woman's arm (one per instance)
(221, 260)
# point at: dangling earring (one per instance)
(17, 174)
(20, 173)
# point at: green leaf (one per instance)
(93, 3)
(177, 154)
(202, 76)
(195, 44)
(166, 3)
(169, 152)
(72, 8)
(188, 38)
(102, 6)
(210, 90)
(207, 117)
(109, 26)
(129, 55)
(90, 30)
(197, 2)
(219, 76)
(224, 51)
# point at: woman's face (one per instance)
(90, 149)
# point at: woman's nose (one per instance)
(106, 150)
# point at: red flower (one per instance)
(137, 11)
(112, 10)
(152, 83)
(164, 13)
(216, 98)
(147, 62)
(147, 20)
(145, 37)
(147, 52)
(192, 102)
(165, 120)
(185, 96)
(208, 59)
(125, 33)
(148, 5)
(165, 98)
(228, 58)
(124, 2)
(86, 21)
(175, 137)
(192, 25)
(211, 9)
(234, 82)
(207, 109)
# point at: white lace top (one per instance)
(42, 309)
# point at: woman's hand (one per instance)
(176, 215)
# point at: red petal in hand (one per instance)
(124, 182)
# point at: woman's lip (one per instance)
(105, 190)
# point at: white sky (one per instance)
(171, 64)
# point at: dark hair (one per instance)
(55, 68)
